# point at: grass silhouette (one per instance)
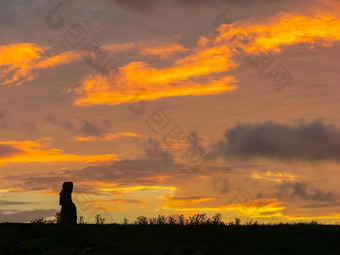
(161, 236)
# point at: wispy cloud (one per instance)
(175, 202)
(284, 29)
(164, 51)
(105, 137)
(39, 151)
(273, 176)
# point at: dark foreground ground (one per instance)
(169, 239)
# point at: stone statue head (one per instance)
(65, 194)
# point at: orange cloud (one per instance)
(124, 201)
(108, 208)
(187, 76)
(38, 151)
(173, 202)
(17, 61)
(138, 188)
(61, 59)
(164, 51)
(273, 176)
(200, 73)
(105, 137)
(259, 208)
(283, 29)
(97, 89)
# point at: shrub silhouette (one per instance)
(182, 220)
(161, 220)
(198, 219)
(57, 218)
(99, 220)
(141, 220)
(81, 220)
(125, 221)
(171, 220)
(217, 219)
(39, 221)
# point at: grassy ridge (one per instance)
(169, 239)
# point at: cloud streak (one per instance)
(164, 51)
(38, 151)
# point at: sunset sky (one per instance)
(171, 107)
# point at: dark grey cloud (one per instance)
(154, 161)
(8, 150)
(89, 129)
(305, 141)
(300, 191)
(153, 151)
(85, 127)
(8, 122)
(7, 202)
(61, 123)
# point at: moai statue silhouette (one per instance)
(68, 213)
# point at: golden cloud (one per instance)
(124, 201)
(273, 176)
(266, 207)
(174, 202)
(104, 137)
(197, 73)
(164, 51)
(137, 188)
(281, 30)
(38, 151)
(17, 61)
